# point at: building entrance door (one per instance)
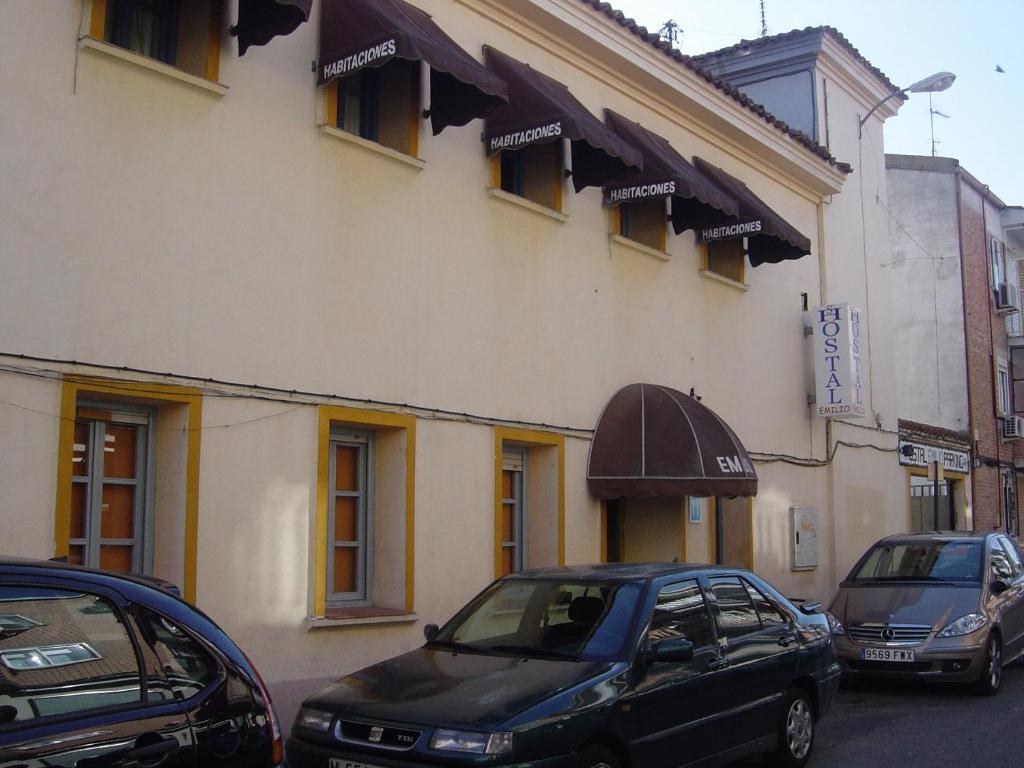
(645, 530)
(733, 532)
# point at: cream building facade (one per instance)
(287, 354)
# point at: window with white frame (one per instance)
(513, 509)
(350, 524)
(1003, 387)
(997, 255)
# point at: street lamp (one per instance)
(940, 81)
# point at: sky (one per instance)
(907, 40)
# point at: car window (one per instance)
(682, 612)
(63, 652)
(922, 561)
(187, 666)
(999, 563)
(736, 613)
(770, 615)
(1013, 554)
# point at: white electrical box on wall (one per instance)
(803, 538)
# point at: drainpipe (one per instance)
(992, 367)
(967, 360)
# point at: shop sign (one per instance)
(921, 455)
(837, 347)
(730, 231)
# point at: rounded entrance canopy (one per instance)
(655, 442)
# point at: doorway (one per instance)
(732, 532)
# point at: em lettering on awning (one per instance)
(355, 34)
(542, 110)
(666, 174)
(653, 441)
(770, 238)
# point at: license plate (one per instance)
(337, 762)
(887, 654)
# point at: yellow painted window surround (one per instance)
(394, 97)
(534, 173)
(645, 222)
(378, 422)
(726, 258)
(527, 438)
(200, 27)
(75, 387)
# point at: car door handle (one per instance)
(718, 663)
(154, 750)
(785, 640)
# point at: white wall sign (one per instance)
(922, 454)
(838, 342)
(803, 525)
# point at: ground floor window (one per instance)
(116, 439)
(365, 511)
(931, 512)
(111, 510)
(529, 500)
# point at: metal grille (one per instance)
(901, 634)
(385, 737)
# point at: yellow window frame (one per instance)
(527, 437)
(328, 415)
(71, 388)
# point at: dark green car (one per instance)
(593, 666)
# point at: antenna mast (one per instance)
(764, 22)
(670, 33)
(932, 112)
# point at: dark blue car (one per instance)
(100, 670)
(600, 666)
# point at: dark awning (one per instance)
(261, 20)
(655, 442)
(666, 174)
(355, 34)
(770, 238)
(542, 110)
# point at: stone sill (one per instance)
(528, 205)
(724, 280)
(158, 67)
(356, 619)
(373, 147)
(618, 241)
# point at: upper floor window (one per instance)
(645, 222)
(182, 33)
(727, 258)
(997, 256)
(534, 172)
(1003, 386)
(379, 104)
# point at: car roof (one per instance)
(621, 571)
(926, 536)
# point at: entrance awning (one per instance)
(261, 20)
(542, 110)
(666, 174)
(655, 442)
(770, 238)
(355, 34)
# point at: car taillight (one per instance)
(277, 745)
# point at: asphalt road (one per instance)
(875, 725)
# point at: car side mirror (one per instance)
(430, 631)
(671, 649)
(999, 586)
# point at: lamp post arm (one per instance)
(860, 125)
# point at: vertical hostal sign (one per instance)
(837, 346)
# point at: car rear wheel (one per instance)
(596, 756)
(796, 731)
(992, 670)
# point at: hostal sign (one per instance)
(837, 346)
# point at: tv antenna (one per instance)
(670, 33)
(764, 22)
(932, 112)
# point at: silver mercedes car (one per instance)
(943, 606)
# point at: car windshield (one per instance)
(956, 561)
(550, 619)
